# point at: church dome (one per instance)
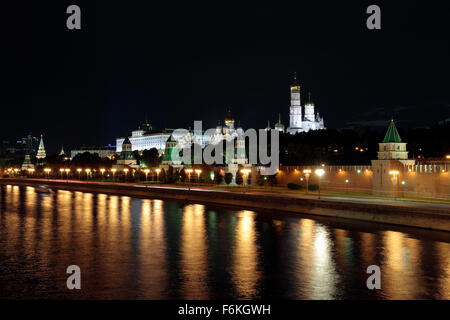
(228, 117)
(279, 126)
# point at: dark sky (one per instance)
(177, 62)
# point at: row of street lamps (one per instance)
(307, 172)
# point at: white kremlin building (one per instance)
(143, 138)
(297, 121)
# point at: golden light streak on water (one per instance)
(194, 251)
(246, 273)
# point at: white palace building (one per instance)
(143, 138)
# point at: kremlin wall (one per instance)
(392, 169)
(424, 181)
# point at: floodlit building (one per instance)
(299, 123)
(103, 152)
(126, 157)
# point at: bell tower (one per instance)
(295, 111)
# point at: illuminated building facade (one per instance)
(299, 123)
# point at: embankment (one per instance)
(437, 218)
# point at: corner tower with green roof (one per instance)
(392, 147)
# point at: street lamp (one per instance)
(47, 171)
(158, 170)
(198, 171)
(319, 173)
(245, 172)
(394, 174)
(189, 171)
(102, 170)
(126, 172)
(113, 172)
(62, 172)
(30, 171)
(146, 173)
(346, 183)
(67, 174)
(87, 173)
(307, 173)
(79, 173)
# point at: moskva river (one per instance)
(129, 248)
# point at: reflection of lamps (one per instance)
(307, 172)
(319, 173)
(394, 174)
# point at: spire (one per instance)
(294, 82)
(392, 134)
(62, 153)
(310, 102)
(279, 118)
(41, 151)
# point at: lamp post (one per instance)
(319, 173)
(30, 171)
(62, 172)
(67, 174)
(245, 172)
(47, 171)
(126, 172)
(113, 172)
(102, 170)
(146, 174)
(87, 173)
(307, 173)
(394, 174)
(79, 173)
(346, 183)
(198, 171)
(189, 171)
(157, 170)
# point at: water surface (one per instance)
(130, 248)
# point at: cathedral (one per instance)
(298, 121)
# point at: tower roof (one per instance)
(392, 134)
(41, 151)
(126, 141)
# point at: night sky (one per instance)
(181, 62)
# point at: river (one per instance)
(131, 248)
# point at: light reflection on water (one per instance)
(130, 248)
